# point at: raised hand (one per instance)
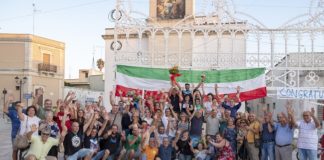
(73, 96)
(66, 110)
(106, 116)
(238, 88)
(33, 128)
(290, 110)
(190, 143)
(312, 112)
(100, 98)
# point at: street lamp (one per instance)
(19, 83)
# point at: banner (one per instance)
(300, 93)
(152, 80)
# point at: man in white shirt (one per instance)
(307, 139)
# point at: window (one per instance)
(86, 74)
(46, 58)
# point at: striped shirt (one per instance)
(307, 138)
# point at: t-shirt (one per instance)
(27, 123)
(212, 125)
(135, 145)
(165, 153)
(126, 121)
(39, 148)
(175, 100)
(307, 138)
(111, 143)
(184, 147)
(72, 143)
(150, 152)
(91, 142)
(15, 122)
(196, 125)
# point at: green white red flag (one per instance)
(151, 80)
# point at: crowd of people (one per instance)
(179, 124)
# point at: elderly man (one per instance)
(307, 138)
(252, 136)
(40, 145)
(42, 109)
(284, 135)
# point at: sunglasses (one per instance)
(45, 134)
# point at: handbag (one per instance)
(21, 141)
(242, 152)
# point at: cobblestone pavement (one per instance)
(5, 140)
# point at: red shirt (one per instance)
(58, 119)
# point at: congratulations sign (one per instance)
(300, 93)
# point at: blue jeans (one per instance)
(195, 140)
(307, 154)
(80, 154)
(184, 157)
(268, 150)
(100, 154)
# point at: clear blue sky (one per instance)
(80, 23)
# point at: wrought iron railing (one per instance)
(47, 68)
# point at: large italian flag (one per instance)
(152, 80)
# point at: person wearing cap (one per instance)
(55, 131)
(40, 145)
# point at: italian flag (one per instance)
(152, 80)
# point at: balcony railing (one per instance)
(47, 68)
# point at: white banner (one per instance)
(300, 93)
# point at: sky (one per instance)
(81, 23)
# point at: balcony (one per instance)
(42, 67)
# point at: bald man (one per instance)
(284, 135)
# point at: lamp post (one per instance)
(4, 92)
(19, 83)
